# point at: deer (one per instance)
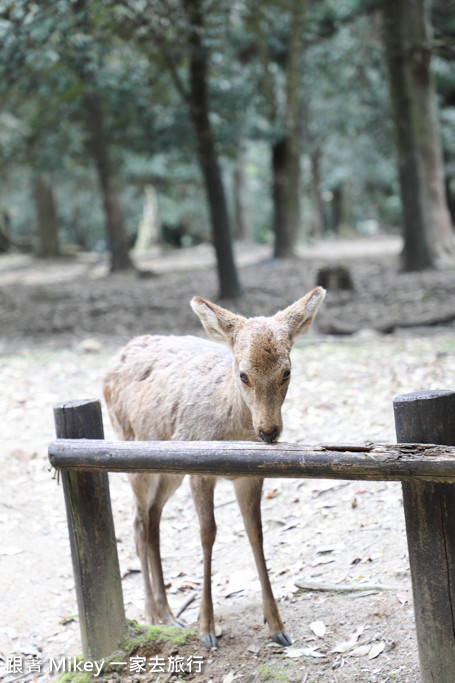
(186, 388)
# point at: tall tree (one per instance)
(86, 64)
(177, 36)
(279, 51)
(99, 145)
(46, 216)
(427, 230)
(54, 51)
(198, 99)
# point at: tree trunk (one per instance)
(149, 230)
(283, 218)
(286, 152)
(229, 285)
(242, 227)
(341, 209)
(46, 213)
(5, 239)
(427, 229)
(99, 148)
(286, 196)
(318, 225)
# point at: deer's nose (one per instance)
(269, 437)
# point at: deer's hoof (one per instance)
(282, 638)
(210, 640)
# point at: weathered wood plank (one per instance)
(92, 537)
(383, 462)
(430, 513)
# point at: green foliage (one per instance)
(136, 635)
(347, 114)
(135, 56)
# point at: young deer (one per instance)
(188, 389)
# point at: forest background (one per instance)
(143, 122)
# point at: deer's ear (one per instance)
(220, 324)
(297, 318)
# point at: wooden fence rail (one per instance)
(380, 462)
(424, 461)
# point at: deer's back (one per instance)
(173, 388)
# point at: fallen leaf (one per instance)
(322, 560)
(11, 550)
(376, 650)
(238, 582)
(402, 597)
(272, 494)
(23, 455)
(360, 651)
(323, 550)
(347, 645)
(90, 346)
(187, 584)
(312, 652)
(229, 678)
(294, 653)
(67, 620)
(318, 628)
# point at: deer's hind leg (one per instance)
(151, 493)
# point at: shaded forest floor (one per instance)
(59, 324)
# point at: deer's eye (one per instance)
(244, 377)
(286, 374)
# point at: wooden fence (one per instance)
(423, 460)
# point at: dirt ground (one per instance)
(59, 324)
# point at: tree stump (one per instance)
(335, 278)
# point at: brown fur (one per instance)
(190, 389)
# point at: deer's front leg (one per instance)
(202, 490)
(248, 492)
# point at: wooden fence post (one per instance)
(92, 537)
(429, 417)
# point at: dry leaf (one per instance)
(347, 645)
(322, 560)
(376, 650)
(402, 597)
(238, 581)
(229, 678)
(90, 346)
(272, 494)
(312, 652)
(11, 550)
(360, 651)
(318, 628)
(294, 653)
(23, 455)
(324, 549)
